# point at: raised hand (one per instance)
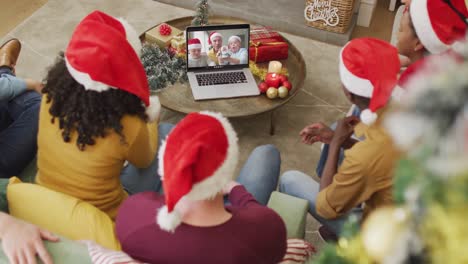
(344, 129)
(316, 132)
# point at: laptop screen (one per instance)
(218, 47)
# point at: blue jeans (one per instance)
(301, 185)
(136, 180)
(260, 173)
(18, 131)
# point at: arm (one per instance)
(239, 196)
(11, 86)
(21, 241)
(144, 147)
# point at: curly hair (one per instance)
(91, 114)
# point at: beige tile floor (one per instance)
(45, 31)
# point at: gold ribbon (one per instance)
(259, 43)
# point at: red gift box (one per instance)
(261, 32)
(264, 50)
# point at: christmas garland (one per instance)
(162, 69)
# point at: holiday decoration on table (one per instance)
(262, 50)
(261, 71)
(162, 69)
(201, 14)
(330, 15)
(162, 35)
(177, 47)
(274, 86)
(428, 222)
(258, 32)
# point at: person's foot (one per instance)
(327, 234)
(9, 53)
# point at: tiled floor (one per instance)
(47, 31)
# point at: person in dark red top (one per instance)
(191, 223)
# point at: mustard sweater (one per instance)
(93, 175)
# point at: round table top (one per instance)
(179, 98)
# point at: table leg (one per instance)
(272, 122)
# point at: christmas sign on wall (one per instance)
(331, 15)
(322, 10)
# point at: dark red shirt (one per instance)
(254, 234)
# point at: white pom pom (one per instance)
(168, 221)
(154, 109)
(132, 36)
(368, 117)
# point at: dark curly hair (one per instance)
(90, 113)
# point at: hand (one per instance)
(404, 61)
(34, 85)
(228, 188)
(21, 241)
(317, 132)
(344, 130)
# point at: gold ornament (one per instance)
(382, 230)
(283, 92)
(272, 93)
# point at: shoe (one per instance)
(327, 234)
(9, 53)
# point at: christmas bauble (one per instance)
(283, 78)
(263, 87)
(272, 79)
(382, 230)
(287, 84)
(283, 92)
(272, 93)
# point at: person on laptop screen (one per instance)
(215, 40)
(196, 58)
(238, 54)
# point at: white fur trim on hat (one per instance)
(194, 46)
(368, 117)
(231, 38)
(422, 24)
(85, 80)
(132, 36)
(216, 34)
(397, 93)
(162, 149)
(353, 83)
(153, 109)
(168, 221)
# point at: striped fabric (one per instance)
(298, 251)
(101, 255)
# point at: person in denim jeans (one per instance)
(19, 108)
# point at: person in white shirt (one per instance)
(196, 58)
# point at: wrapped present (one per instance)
(178, 42)
(177, 52)
(162, 35)
(258, 32)
(268, 49)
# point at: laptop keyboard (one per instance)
(220, 78)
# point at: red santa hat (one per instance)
(194, 44)
(369, 68)
(437, 25)
(214, 35)
(197, 159)
(103, 54)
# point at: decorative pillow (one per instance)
(100, 255)
(60, 213)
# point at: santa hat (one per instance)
(369, 68)
(212, 36)
(103, 54)
(197, 159)
(194, 44)
(232, 38)
(437, 25)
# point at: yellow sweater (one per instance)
(93, 175)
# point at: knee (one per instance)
(267, 151)
(289, 178)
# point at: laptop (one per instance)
(218, 62)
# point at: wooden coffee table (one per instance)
(179, 98)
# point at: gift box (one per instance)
(264, 50)
(163, 40)
(178, 42)
(258, 32)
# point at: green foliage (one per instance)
(201, 14)
(160, 68)
(329, 255)
(351, 227)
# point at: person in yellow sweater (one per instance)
(98, 130)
